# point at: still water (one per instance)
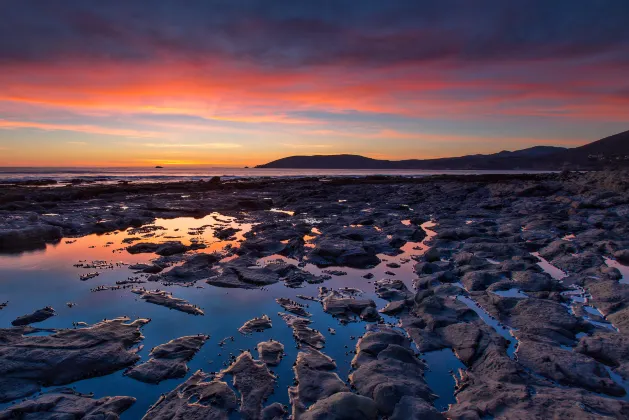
(52, 277)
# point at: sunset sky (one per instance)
(242, 82)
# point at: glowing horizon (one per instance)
(90, 85)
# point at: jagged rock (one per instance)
(37, 316)
(255, 383)
(342, 406)
(256, 324)
(316, 380)
(65, 403)
(242, 272)
(302, 332)
(29, 362)
(387, 370)
(168, 360)
(292, 306)
(164, 298)
(195, 399)
(271, 352)
(567, 367)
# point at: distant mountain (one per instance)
(610, 151)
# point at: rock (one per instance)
(29, 362)
(256, 325)
(195, 399)
(609, 348)
(344, 308)
(146, 268)
(292, 306)
(567, 367)
(387, 370)
(28, 237)
(164, 249)
(342, 406)
(392, 290)
(225, 233)
(37, 316)
(164, 298)
(271, 352)
(242, 272)
(343, 253)
(254, 382)
(302, 332)
(197, 267)
(622, 256)
(168, 360)
(65, 403)
(275, 411)
(316, 380)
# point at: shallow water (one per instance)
(51, 277)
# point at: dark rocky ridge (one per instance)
(610, 151)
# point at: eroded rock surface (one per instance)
(256, 324)
(168, 360)
(29, 362)
(271, 352)
(164, 298)
(255, 383)
(65, 403)
(200, 397)
(37, 316)
(302, 332)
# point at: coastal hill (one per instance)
(610, 151)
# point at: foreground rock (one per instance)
(37, 316)
(255, 383)
(388, 372)
(66, 403)
(195, 399)
(345, 308)
(168, 360)
(29, 362)
(316, 380)
(271, 352)
(164, 298)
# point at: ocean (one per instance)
(139, 174)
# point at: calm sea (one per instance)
(152, 174)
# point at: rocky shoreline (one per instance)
(521, 276)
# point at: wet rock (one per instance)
(316, 380)
(164, 298)
(255, 383)
(343, 253)
(622, 256)
(225, 233)
(271, 352)
(609, 348)
(65, 403)
(302, 332)
(195, 399)
(168, 360)
(29, 362)
(275, 411)
(146, 268)
(256, 324)
(197, 267)
(392, 290)
(567, 367)
(28, 237)
(344, 308)
(37, 316)
(243, 273)
(292, 306)
(164, 249)
(387, 370)
(342, 406)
